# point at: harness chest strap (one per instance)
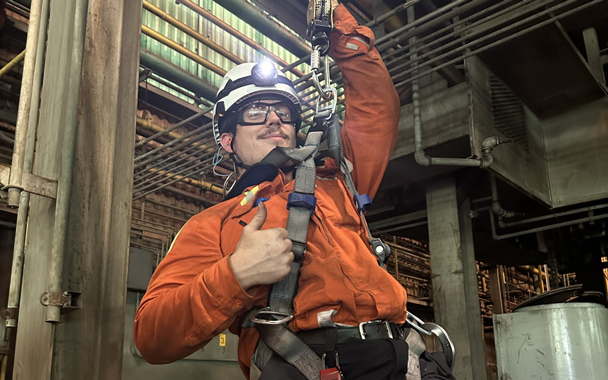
(274, 333)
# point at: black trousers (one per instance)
(378, 359)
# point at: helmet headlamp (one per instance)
(264, 74)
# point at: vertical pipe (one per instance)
(541, 280)
(14, 295)
(67, 160)
(14, 291)
(23, 113)
(396, 264)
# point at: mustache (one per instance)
(275, 133)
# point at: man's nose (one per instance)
(273, 118)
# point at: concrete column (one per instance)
(88, 343)
(454, 277)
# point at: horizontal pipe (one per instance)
(510, 37)
(180, 49)
(174, 126)
(242, 37)
(266, 25)
(188, 153)
(171, 147)
(142, 181)
(191, 169)
(543, 228)
(202, 184)
(191, 32)
(12, 63)
(468, 37)
(177, 75)
(556, 215)
(440, 35)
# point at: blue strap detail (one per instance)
(363, 201)
(308, 201)
(257, 201)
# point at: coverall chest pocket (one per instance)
(335, 204)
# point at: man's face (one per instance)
(253, 142)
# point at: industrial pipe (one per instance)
(496, 206)
(183, 156)
(264, 24)
(420, 156)
(443, 34)
(183, 161)
(206, 132)
(303, 50)
(495, 235)
(468, 37)
(202, 184)
(14, 295)
(68, 154)
(25, 100)
(177, 75)
(191, 169)
(204, 40)
(191, 32)
(510, 37)
(175, 126)
(179, 48)
(13, 62)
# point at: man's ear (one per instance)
(226, 141)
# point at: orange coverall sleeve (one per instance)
(372, 103)
(193, 295)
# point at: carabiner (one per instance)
(328, 93)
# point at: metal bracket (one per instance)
(68, 301)
(31, 183)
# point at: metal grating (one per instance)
(508, 113)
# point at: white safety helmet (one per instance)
(248, 81)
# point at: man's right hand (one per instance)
(261, 257)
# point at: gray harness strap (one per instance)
(275, 335)
(416, 347)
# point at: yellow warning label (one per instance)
(222, 340)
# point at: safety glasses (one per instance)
(257, 113)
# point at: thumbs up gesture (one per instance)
(261, 256)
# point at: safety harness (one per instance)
(272, 321)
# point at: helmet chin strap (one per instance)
(238, 162)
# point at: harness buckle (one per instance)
(376, 321)
(363, 202)
(269, 314)
(307, 201)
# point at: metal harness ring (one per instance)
(267, 312)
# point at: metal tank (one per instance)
(565, 341)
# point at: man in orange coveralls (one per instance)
(224, 259)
